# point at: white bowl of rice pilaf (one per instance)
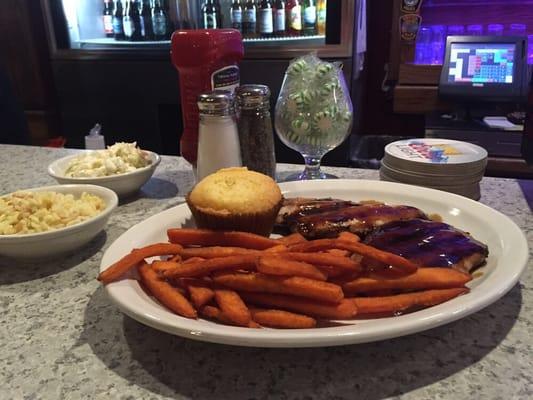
(49, 221)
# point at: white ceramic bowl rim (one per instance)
(52, 169)
(105, 194)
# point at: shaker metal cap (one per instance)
(252, 95)
(217, 102)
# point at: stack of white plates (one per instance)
(443, 164)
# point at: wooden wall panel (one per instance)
(417, 100)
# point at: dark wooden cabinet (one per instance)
(25, 56)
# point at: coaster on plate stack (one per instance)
(443, 164)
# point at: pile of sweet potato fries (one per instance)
(247, 280)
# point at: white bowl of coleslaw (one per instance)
(49, 221)
(124, 174)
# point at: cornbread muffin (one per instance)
(236, 199)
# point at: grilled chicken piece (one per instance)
(357, 218)
(430, 244)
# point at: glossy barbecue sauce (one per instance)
(428, 243)
(359, 219)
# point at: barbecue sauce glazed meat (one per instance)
(430, 244)
(360, 219)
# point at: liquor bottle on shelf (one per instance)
(147, 28)
(265, 22)
(126, 21)
(132, 21)
(309, 17)
(249, 19)
(321, 7)
(219, 14)
(118, 25)
(170, 21)
(236, 15)
(159, 21)
(107, 17)
(294, 17)
(279, 18)
(209, 15)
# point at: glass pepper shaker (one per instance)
(218, 138)
(255, 128)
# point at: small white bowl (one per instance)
(122, 184)
(53, 243)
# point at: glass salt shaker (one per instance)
(218, 138)
(255, 128)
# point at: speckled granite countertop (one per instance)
(61, 338)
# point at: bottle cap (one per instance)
(252, 95)
(217, 102)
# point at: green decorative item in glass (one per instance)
(314, 112)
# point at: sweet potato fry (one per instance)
(423, 278)
(339, 252)
(205, 237)
(333, 272)
(199, 291)
(405, 301)
(348, 237)
(324, 259)
(115, 271)
(233, 307)
(282, 319)
(211, 312)
(400, 263)
(161, 266)
(202, 268)
(165, 293)
(193, 260)
(277, 249)
(274, 265)
(176, 258)
(344, 310)
(295, 285)
(313, 246)
(215, 313)
(291, 239)
(215, 252)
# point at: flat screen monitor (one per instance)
(484, 69)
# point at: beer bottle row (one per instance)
(269, 18)
(137, 20)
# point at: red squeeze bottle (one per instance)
(206, 59)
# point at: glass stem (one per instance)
(312, 167)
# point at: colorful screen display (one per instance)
(481, 63)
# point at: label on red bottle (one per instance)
(227, 78)
(108, 24)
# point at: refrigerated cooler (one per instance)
(128, 84)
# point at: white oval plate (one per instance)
(507, 260)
